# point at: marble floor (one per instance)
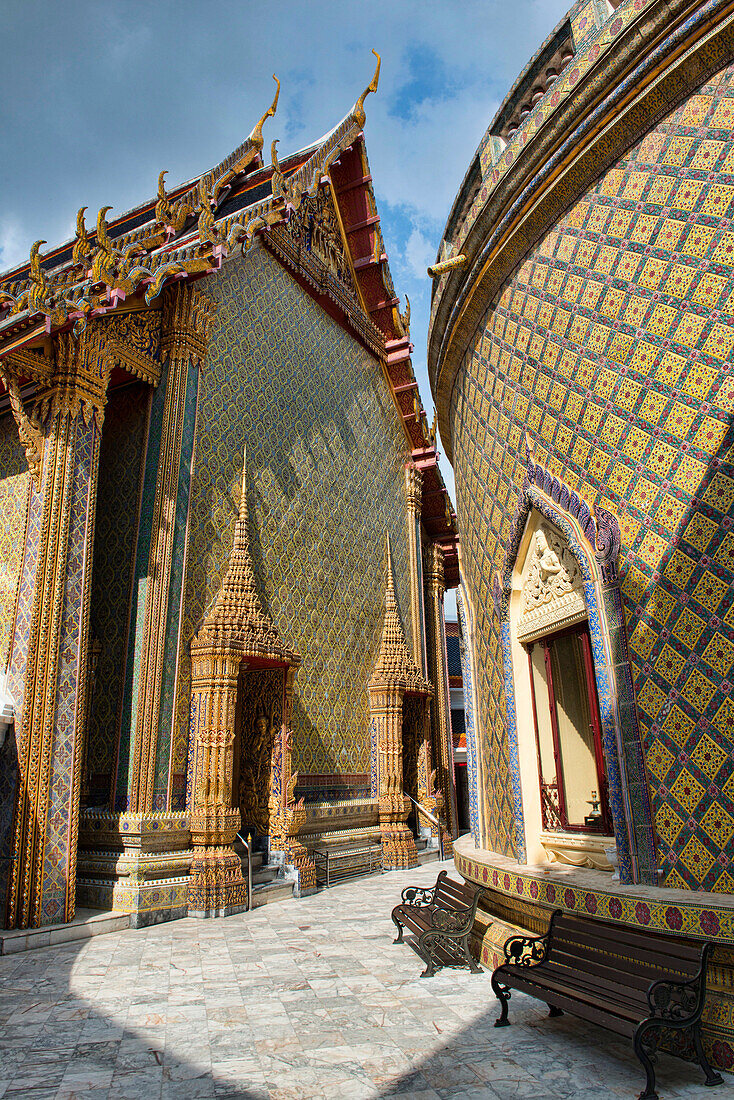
(299, 999)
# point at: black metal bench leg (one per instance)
(399, 927)
(475, 969)
(502, 993)
(637, 1044)
(553, 1011)
(712, 1077)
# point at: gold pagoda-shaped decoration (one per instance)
(235, 633)
(395, 675)
(395, 665)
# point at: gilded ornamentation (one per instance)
(109, 270)
(395, 675)
(82, 251)
(358, 109)
(438, 666)
(31, 437)
(235, 629)
(552, 591)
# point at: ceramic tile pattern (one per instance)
(610, 346)
(311, 405)
(13, 507)
(305, 999)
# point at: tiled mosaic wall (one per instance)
(114, 548)
(610, 345)
(325, 455)
(14, 480)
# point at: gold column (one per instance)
(184, 337)
(217, 886)
(69, 415)
(414, 496)
(438, 663)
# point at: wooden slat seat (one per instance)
(441, 917)
(635, 983)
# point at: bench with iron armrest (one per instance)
(441, 917)
(635, 983)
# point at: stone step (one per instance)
(86, 923)
(269, 892)
(261, 875)
(427, 855)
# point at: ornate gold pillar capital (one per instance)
(79, 380)
(185, 324)
(434, 566)
(413, 487)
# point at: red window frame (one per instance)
(556, 807)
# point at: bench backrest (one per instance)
(620, 953)
(454, 895)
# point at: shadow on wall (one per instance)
(8, 788)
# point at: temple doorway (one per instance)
(413, 714)
(260, 694)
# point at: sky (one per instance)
(99, 97)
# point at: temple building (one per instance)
(580, 352)
(225, 546)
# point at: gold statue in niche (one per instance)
(261, 710)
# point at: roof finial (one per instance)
(256, 137)
(358, 110)
(81, 244)
(36, 271)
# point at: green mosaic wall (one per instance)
(14, 483)
(325, 455)
(610, 345)
(114, 549)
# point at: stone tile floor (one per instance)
(299, 999)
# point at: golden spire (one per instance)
(395, 663)
(256, 137)
(358, 109)
(237, 603)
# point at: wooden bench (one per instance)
(635, 983)
(441, 918)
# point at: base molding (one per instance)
(136, 863)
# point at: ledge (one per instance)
(698, 914)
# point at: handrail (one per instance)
(432, 818)
(247, 844)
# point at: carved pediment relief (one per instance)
(552, 585)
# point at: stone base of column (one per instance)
(134, 863)
(398, 848)
(216, 887)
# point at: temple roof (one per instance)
(187, 232)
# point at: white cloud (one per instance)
(13, 242)
(419, 253)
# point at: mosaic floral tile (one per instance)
(621, 378)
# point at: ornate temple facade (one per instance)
(580, 355)
(225, 545)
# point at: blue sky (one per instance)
(97, 98)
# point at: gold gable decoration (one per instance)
(185, 236)
(395, 665)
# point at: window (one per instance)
(573, 784)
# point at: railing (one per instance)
(433, 820)
(247, 843)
